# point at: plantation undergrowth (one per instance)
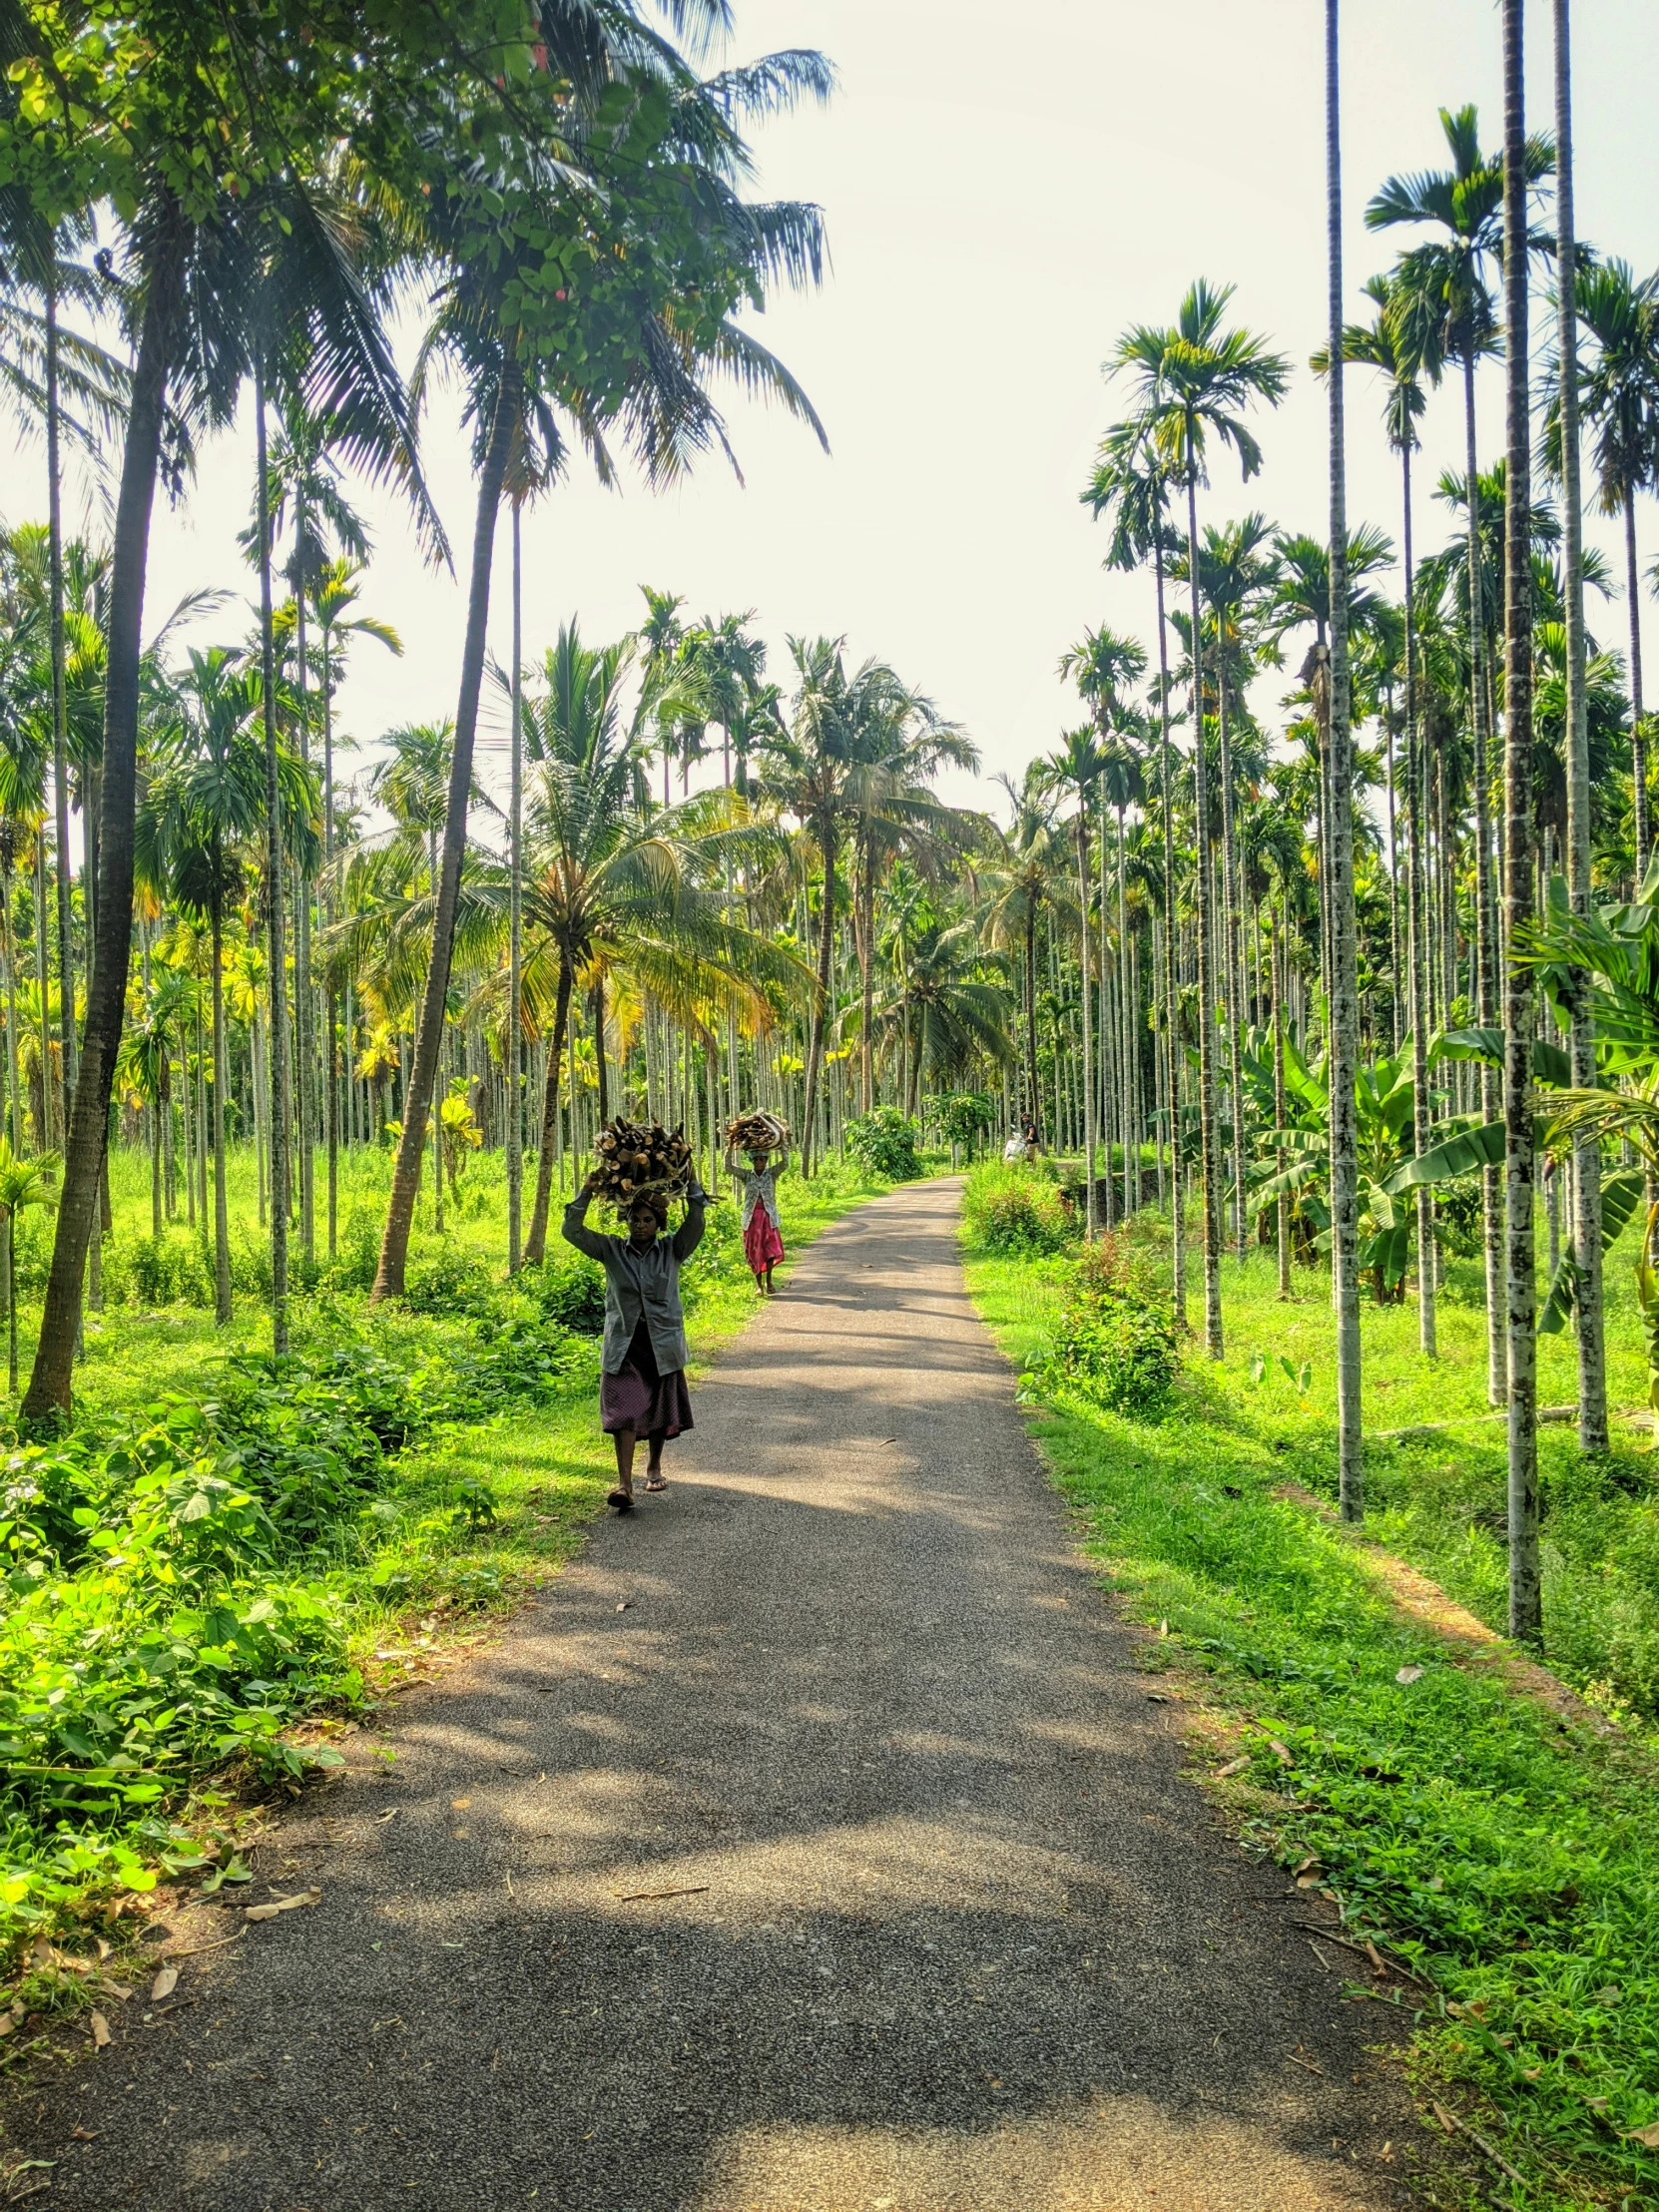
(222, 1545)
(1511, 1856)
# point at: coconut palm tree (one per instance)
(662, 292)
(1193, 381)
(204, 802)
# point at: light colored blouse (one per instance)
(757, 1190)
(641, 1286)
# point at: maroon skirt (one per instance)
(763, 1247)
(640, 1398)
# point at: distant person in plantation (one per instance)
(642, 1391)
(763, 1235)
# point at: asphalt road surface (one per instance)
(811, 1846)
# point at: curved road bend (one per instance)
(954, 1937)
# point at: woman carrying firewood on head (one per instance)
(642, 1391)
(763, 1236)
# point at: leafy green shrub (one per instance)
(450, 1282)
(168, 1269)
(569, 1290)
(1112, 1345)
(1014, 1209)
(885, 1143)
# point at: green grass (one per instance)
(1514, 1857)
(219, 1593)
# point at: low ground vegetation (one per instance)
(224, 1543)
(1506, 1852)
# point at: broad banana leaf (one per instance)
(1550, 1063)
(1464, 1154)
(1621, 1195)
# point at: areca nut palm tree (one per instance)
(1385, 345)
(1343, 1055)
(1586, 1174)
(1076, 768)
(1618, 398)
(594, 266)
(1193, 380)
(1131, 483)
(1445, 309)
(1526, 1579)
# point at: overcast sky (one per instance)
(1005, 190)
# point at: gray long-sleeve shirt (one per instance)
(640, 1285)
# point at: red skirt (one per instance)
(640, 1398)
(763, 1247)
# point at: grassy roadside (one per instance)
(1509, 1855)
(215, 1554)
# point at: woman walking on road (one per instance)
(642, 1391)
(763, 1236)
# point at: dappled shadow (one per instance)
(812, 1843)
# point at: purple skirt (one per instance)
(640, 1398)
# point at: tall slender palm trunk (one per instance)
(1417, 915)
(406, 1180)
(1089, 1070)
(515, 919)
(1638, 736)
(1586, 1177)
(60, 699)
(1231, 924)
(222, 1204)
(1484, 993)
(1207, 1135)
(1343, 1055)
(820, 1003)
(49, 1381)
(1525, 1590)
(1172, 1038)
(535, 1245)
(276, 867)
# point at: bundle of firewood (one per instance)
(636, 1156)
(757, 1132)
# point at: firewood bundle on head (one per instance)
(639, 1159)
(758, 1133)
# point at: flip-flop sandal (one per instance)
(656, 1483)
(622, 1500)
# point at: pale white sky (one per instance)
(1006, 189)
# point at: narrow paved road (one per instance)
(953, 1934)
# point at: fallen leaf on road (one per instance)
(164, 1984)
(1233, 1765)
(100, 2031)
(7, 2024)
(1647, 2136)
(623, 1607)
(85, 2134)
(633, 1896)
(117, 1989)
(1279, 1750)
(1408, 1674)
(283, 1905)
(459, 1804)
